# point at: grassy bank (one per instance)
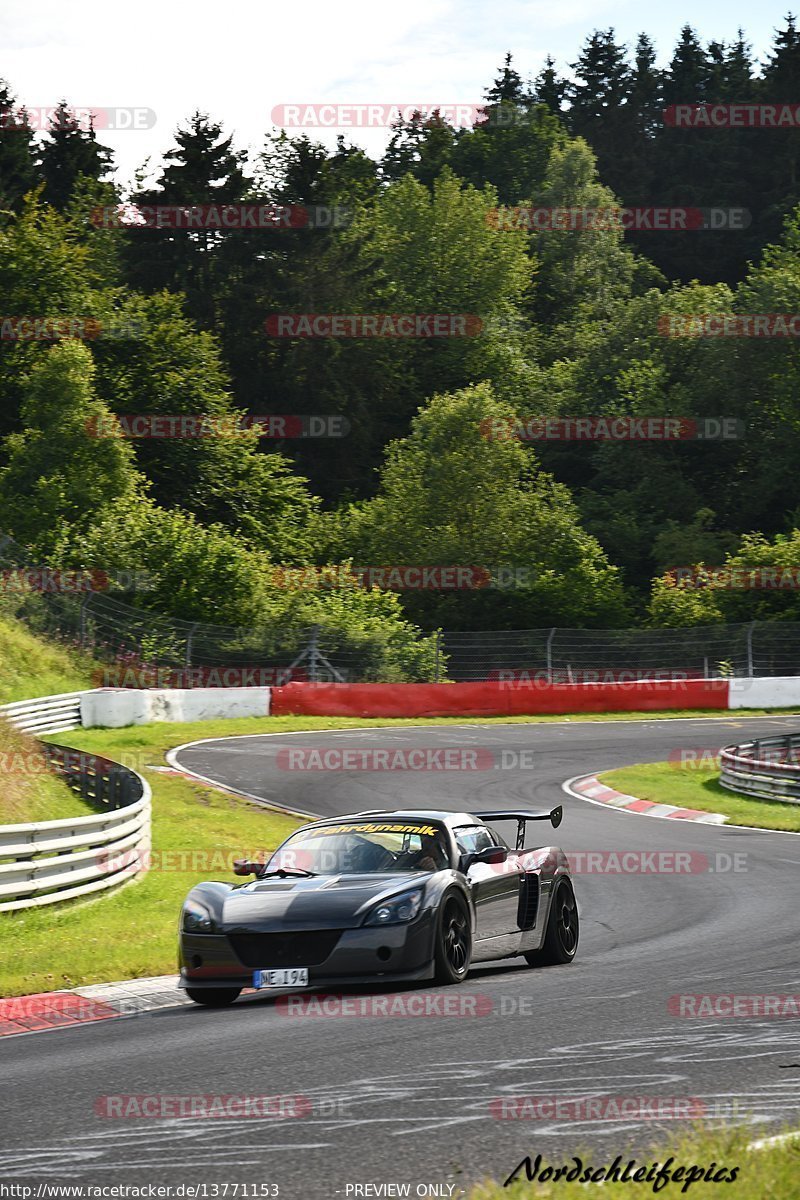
(28, 789)
(31, 666)
(698, 787)
(131, 933)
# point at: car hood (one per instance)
(324, 902)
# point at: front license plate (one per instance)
(283, 978)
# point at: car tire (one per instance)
(563, 927)
(213, 997)
(453, 940)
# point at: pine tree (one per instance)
(603, 80)
(643, 117)
(507, 87)
(687, 79)
(421, 146)
(738, 80)
(781, 154)
(67, 152)
(549, 88)
(17, 156)
(599, 106)
(203, 168)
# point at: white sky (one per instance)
(238, 61)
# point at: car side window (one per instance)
(471, 839)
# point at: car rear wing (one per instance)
(522, 816)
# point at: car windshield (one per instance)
(356, 848)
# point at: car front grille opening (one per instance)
(306, 948)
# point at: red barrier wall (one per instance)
(490, 699)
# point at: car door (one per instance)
(495, 887)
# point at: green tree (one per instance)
(599, 105)
(59, 476)
(459, 492)
(68, 152)
(45, 272)
(17, 153)
(441, 252)
(421, 146)
(549, 88)
(222, 477)
(202, 168)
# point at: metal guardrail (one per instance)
(768, 768)
(47, 861)
(48, 714)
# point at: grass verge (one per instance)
(132, 932)
(768, 1174)
(31, 666)
(698, 787)
(30, 791)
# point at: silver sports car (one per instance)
(379, 897)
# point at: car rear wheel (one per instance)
(561, 938)
(453, 941)
(213, 997)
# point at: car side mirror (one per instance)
(492, 855)
(242, 866)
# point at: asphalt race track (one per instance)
(407, 1099)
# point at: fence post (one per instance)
(438, 653)
(549, 653)
(84, 606)
(313, 653)
(189, 639)
(750, 629)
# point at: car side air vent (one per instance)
(528, 902)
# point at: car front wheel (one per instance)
(453, 941)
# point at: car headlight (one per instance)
(397, 909)
(197, 919)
